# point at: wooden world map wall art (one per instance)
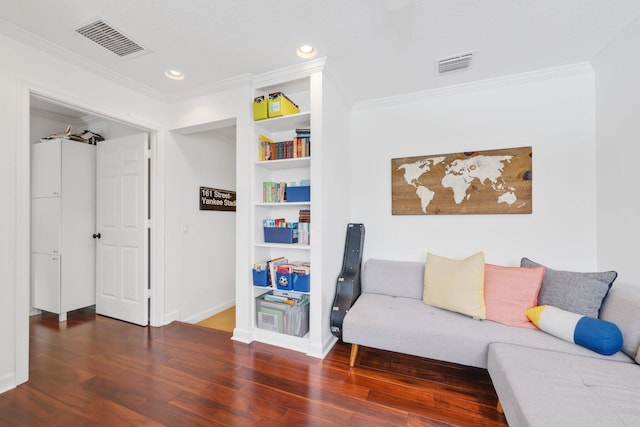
(479, 182)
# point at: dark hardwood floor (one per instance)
(96, 371)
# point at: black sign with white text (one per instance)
(213, 199)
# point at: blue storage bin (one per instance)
(301, 283)
(299, 193)
(260, 278)
(280, 235)
(285, 281)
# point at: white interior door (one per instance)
(122, 223)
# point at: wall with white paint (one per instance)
(552, 111)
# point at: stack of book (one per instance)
(304, 226)
(303, 142)
(287, 297)
(278, 223)
(273, 192)
(304, 215)
(298, 147)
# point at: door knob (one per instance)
(96, 236)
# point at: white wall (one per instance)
(551, 111)
(8, 214)
(200, 245)
(330, 184)
(618, 148)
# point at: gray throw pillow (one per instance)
(580, 293)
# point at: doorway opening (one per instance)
(77, 208)
(201, 236)
(89, 213)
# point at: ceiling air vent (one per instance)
(455, 62)
(108, 37)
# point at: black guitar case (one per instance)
(348, 284)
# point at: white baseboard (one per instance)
(242, 335)
(170, 317)
(7, 382)
(210, 312)
(321, 352)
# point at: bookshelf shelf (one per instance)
(283, 246)
(284, 123)
(283, 204)
(301, 162)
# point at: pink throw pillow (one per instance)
(509, 291)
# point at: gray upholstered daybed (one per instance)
(540, 380)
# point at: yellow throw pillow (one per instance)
(455, 285)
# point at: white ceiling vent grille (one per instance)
(455, 62)
(108, 37)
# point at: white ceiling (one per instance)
(374, 48)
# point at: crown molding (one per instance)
(22, 36)
(498, 82)
(242, 80)
(289, 73)
(269, 78)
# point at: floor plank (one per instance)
(93, 370)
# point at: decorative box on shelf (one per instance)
(280, 105)
(260, 108)
(301, 193)
(280, 235)
(284, 312)
(260, 278)
(293, 281)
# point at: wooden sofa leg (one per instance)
(499, 408)
(354, 354)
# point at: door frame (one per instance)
(23, 212)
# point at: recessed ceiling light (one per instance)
(174, 74)
(306, 51)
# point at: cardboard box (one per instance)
(280, 105)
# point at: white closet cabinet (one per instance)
(62, 225)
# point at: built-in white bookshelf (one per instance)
(306, 86)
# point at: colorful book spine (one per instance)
(300, 146)
(274, 192)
